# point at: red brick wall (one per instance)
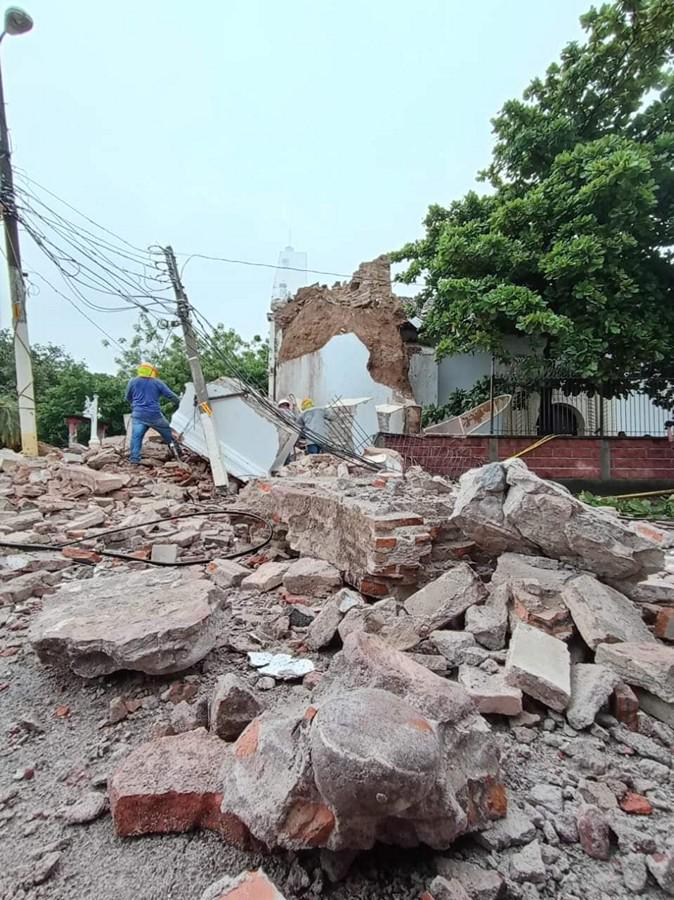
(561, 458)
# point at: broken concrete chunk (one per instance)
(656, 707)
(490, 693)
(89, 807)
(89, 520)
(593, 831)
(96, 482)
(447, 889)
(227, 573)
(172, 784)
(635, 873)
(366, 762)
(166, 554)
(528, 865)
(513, 831)
(539, 665)
(294, 775)
(324, 627)
(489, 623)
(591, 687)
(280, 665)
(602, 614)
(661, 867)
(149, 621)
(267, 577)
(645, 665)
(233, 707)
(444, 600)
(246, 886)
(188, 716)
(455, 646)
(386, 620)
(311, 578)
(479, 883)
(504, 506)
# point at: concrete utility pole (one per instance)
(17, 22)
(205, 412)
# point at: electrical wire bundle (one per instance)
(90, 259)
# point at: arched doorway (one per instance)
(560, 418)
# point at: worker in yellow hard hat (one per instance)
(314, 422)
(143, 393)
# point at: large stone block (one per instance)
(150, 621)
(591, 687)
(504, 506)
(96, 482)
(388, 752)
(444, 600)
(490, 693)
(602, 614)
(312, 578)
(647, 665)
(540, 666)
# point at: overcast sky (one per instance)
(220, 127)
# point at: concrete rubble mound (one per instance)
(389, 752)
(504, 506)
(153, 622)
(485, 669)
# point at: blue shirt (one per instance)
(143, 394)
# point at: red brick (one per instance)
(172, 784)
(250, 886)
(388, 543)
(625, 706)
(664, 624)
(81, 554)
(635, 804)
(372, 588)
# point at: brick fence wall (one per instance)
(563, 458)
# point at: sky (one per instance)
(230, 128)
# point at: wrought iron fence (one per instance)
(567, 405)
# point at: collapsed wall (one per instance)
(365, 307)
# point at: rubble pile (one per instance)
(484, 670)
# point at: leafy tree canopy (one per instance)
(572, 247)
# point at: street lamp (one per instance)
(16, 22)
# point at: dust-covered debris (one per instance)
(388, 607)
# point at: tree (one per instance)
(572, 247)
(61, 387)
(224, 352)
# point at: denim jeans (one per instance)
(314, 448)
(138, 431)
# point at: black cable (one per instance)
(43, 548)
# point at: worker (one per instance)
(143, 393)
(287, 409)
(314, 423)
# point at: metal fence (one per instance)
(571, 406)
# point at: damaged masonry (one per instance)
(402, 687)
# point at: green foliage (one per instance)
(459, 401)
(10, 433)
(226, 353)
(637, 507)
(572, 248)
(61, 387)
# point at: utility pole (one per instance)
(201, 392)
(17, 22)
